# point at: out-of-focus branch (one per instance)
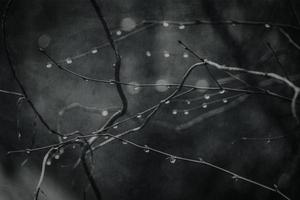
(13, 71)
(11, 93)
(291, 41)
(278, 61)
(211, 113)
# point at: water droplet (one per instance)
(61, 150)
(146, 149)
(202, 83)
(139, 116)
(28, 151)
(165, 24)
(104, 113)
(48, 162)
(225, 101)
(57, 156)
(185, 55)
(133, 88)
(148, 53)
(69, 61)
(188, 102)
(221, 91)
(119, 32)
(74, 146)
(181, 27)
(235, 177)
(115, 127)
(111, 82)
(186, 112)
(166, 54)
(267, 25)
(204, 105)
(124, 142)
(268, 141)
(172, 159)
(106, 137)
(206, 96)
(94, 51)
(44, 41)
(174, 112)
(128, 24)
(161, 85)
(49, 65)
(200, 159)
(65, 137)
(167, 102)
(19, 135)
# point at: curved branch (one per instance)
(13, 71)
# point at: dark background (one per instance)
(70, 27)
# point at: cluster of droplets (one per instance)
(172, 159)
(166, 24)
(166, 54)
(204, 105)
(55, 156)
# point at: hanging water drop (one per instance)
(104, 113)
(57, 156)
(124, 142)
(174, 112)
(235, 177)
(28, 151)
(221, 91)
(186, 112)
(106, 137)
(167, 102)
(148, 53)
(115, 127)
(19, 135)
(172, 159)
(146, 149)
(188, 102)
(206, 96)
(94, 51)
(181, 27)
(161, 85)
(139, 116)
(61, 150)
(165, 24)
(69, 61)
(119, 32)
(64, 137)
(166, 54)
(225, 100)
(185, 55)
(49, 65)
(204, 105)
(48, 162)
(267, 25)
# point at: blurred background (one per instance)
(71, 33)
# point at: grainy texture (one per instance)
(160, 99)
